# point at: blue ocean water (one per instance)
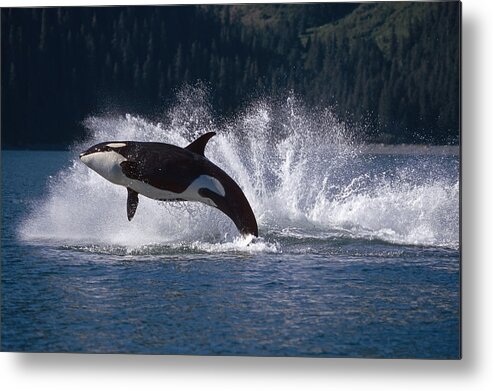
(358, 254)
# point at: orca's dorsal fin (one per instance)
(198, 146)
(132, 203)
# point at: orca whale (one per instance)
(167, 172)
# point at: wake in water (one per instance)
(302, 172)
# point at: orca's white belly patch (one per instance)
(191, 193)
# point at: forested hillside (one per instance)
(393, 67)
(396, 64)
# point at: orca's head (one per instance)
(105, 159)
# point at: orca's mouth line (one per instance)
(87, 153)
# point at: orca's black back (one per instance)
(164, 166)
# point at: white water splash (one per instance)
(298, 170)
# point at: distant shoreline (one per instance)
(377, 149)
(410, 149)
(36, 149)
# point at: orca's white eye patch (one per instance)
(116, 145)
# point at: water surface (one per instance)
(358, 254)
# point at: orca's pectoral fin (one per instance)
(132, 203)
(198, 146)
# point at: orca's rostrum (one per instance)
(167, 172)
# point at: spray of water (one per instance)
(302, 172)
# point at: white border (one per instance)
(474, 372)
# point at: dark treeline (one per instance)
(397, 65)
(398, 77)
